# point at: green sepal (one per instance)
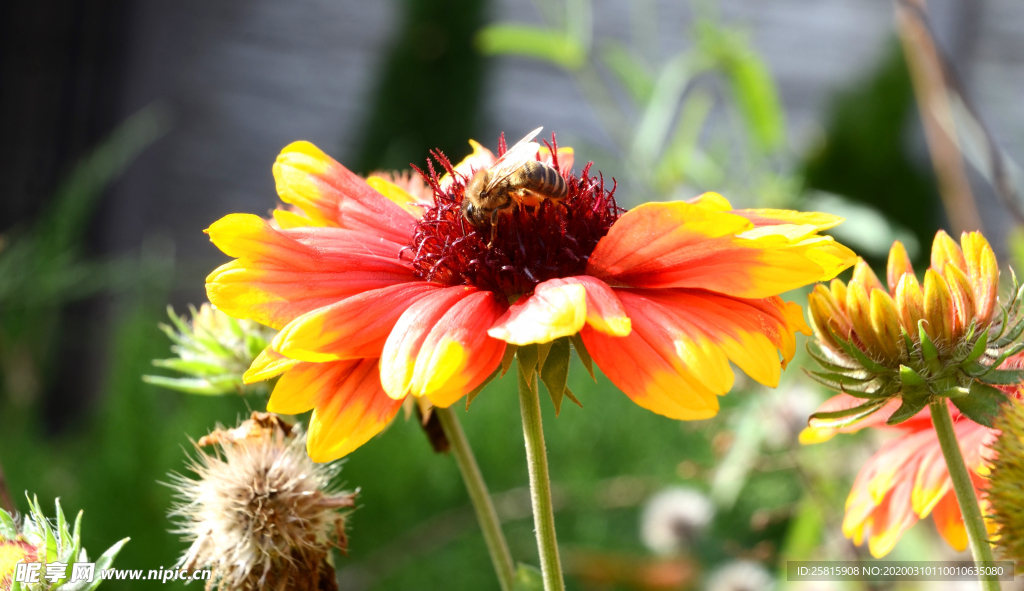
(1007, 354)
(555, 371)
(979, 347)
(212, 386)
(476, 391)
(105, 560)
(527, 355)
(528, 578)
(571, 396)
(909, 377)
(542, 354)
(193, 367)
(836, 365)
(910, 407)
(8, 531)
(929, 353)
(507, 357)
(836, 368)
(847, 416)
(583, 354)
(982, 405)
(974, 369)
(1011, 335)
(865, 361)
(841, 383)
(1003, 377)
(955, 392)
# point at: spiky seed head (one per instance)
(259, 513)
(1005, 497)
(918, 343)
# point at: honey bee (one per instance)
(516, 178)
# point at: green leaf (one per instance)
(1007, 354)
(982, 404)
(839, 365)
(583, 354)
(1003, 377)
(527, 355)
(555, 372)
(848, 416)
(571, 396)
(507, 357)
(910, 407)
(549, 45)
(528, 578)
(629, 70)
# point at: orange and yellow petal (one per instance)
(950, 522)
(559, 308)
(458, 354)
(352, 328)
(479, 159)
(329, 193)
(404, 199)
(681, 244)
(350, 413)
(268, 364)
(983, 270)
(349, 405)
(656, 365)
(279, 275)
(404, 343)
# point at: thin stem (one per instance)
(6, 501)
(977, 535)
(482, 504)
(540, 483)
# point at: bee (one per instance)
(516, 178)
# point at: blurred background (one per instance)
(128, 126)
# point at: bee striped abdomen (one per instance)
(543, 181)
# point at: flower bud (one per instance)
(938, 307)
(909, 302)
(946, 250)
(838, 289)
(863, 274)
(963, 299)
(858, 307)
(886, 325)
(826, 312)
(983, 271)
(899, 265)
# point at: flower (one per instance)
(674, 518)
(39, 541)
(1004, 484)
(379, 294)
(213, 349)
(261, 514)
(907, 479)
(918, 345)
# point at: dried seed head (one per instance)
(261, 514)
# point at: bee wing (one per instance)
(524, 150)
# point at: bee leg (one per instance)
(494, 228)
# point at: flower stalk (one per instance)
(481, 498)
(977, 535)
(540, 482)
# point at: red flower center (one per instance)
(531, 245)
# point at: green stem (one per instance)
(482, 504)
(977, 535)
(540, 483)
